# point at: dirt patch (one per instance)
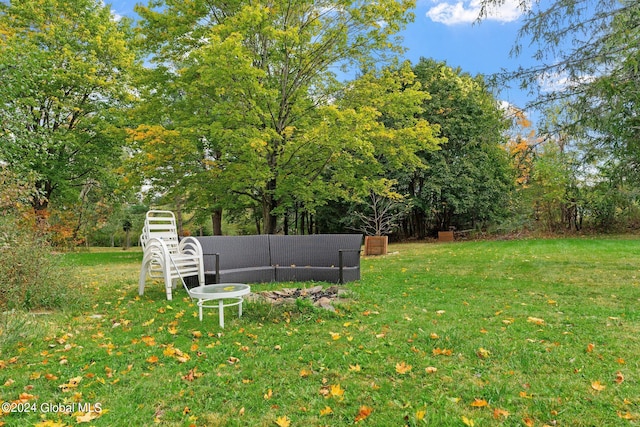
(318, 296)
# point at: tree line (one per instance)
(237, 115)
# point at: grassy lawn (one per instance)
(534, 332)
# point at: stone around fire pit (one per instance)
(319, 296)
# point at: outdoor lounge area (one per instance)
(331, 258)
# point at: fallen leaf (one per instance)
(152, 359)
(326, 411)
(627, 416)
(355, 368)
(619, 377)
(535, 320)
(420, 414)
(71, 384)
(268, 395)
(304, 372)
(479, 403)
(192, 375)
(47, 423)
(363, 413)
(497, 413)
(597, 386)
(434, 336)
(468, 422)
(283, 421)
(337, 391)
(483, 353)
(528, 422)
(88, 417)
(402, 368)
(430, 370)
(590, 347)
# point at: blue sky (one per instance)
(446, 31)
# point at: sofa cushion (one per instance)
(235, 251)
(317, 250)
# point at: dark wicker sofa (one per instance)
(277, 258)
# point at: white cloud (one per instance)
(560, 81)
(467, 11)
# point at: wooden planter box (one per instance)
(445, 236)
(375, 245)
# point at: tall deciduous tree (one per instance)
(246, 80)
(468, 181)
(64, 71)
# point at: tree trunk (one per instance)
(269, 204)
(40, 203)
(216, 221)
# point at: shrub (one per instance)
(31, 276)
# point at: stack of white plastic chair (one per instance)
(165, 256)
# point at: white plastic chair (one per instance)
(165, 256)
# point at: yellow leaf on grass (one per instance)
(335, 336)
(483, 353)
(479, 403)
(402, 368)
(619, 377)
(363, 413)
(268, 395)
(535, 320)
(336, 391)
(148, 322)
(442, 352)
(430, 370)
(355, 368)
(420, 414)
(528, 422)
(597, 386)
(46, 423)
(590, 347)
(434, 336)
(88, 417)
(497, 413)
(73, 383)
(148, 340)
(326, 411)
(304, 372)
(283, 421)
(627, 416)
(468, 421)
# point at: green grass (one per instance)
(536, 331)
